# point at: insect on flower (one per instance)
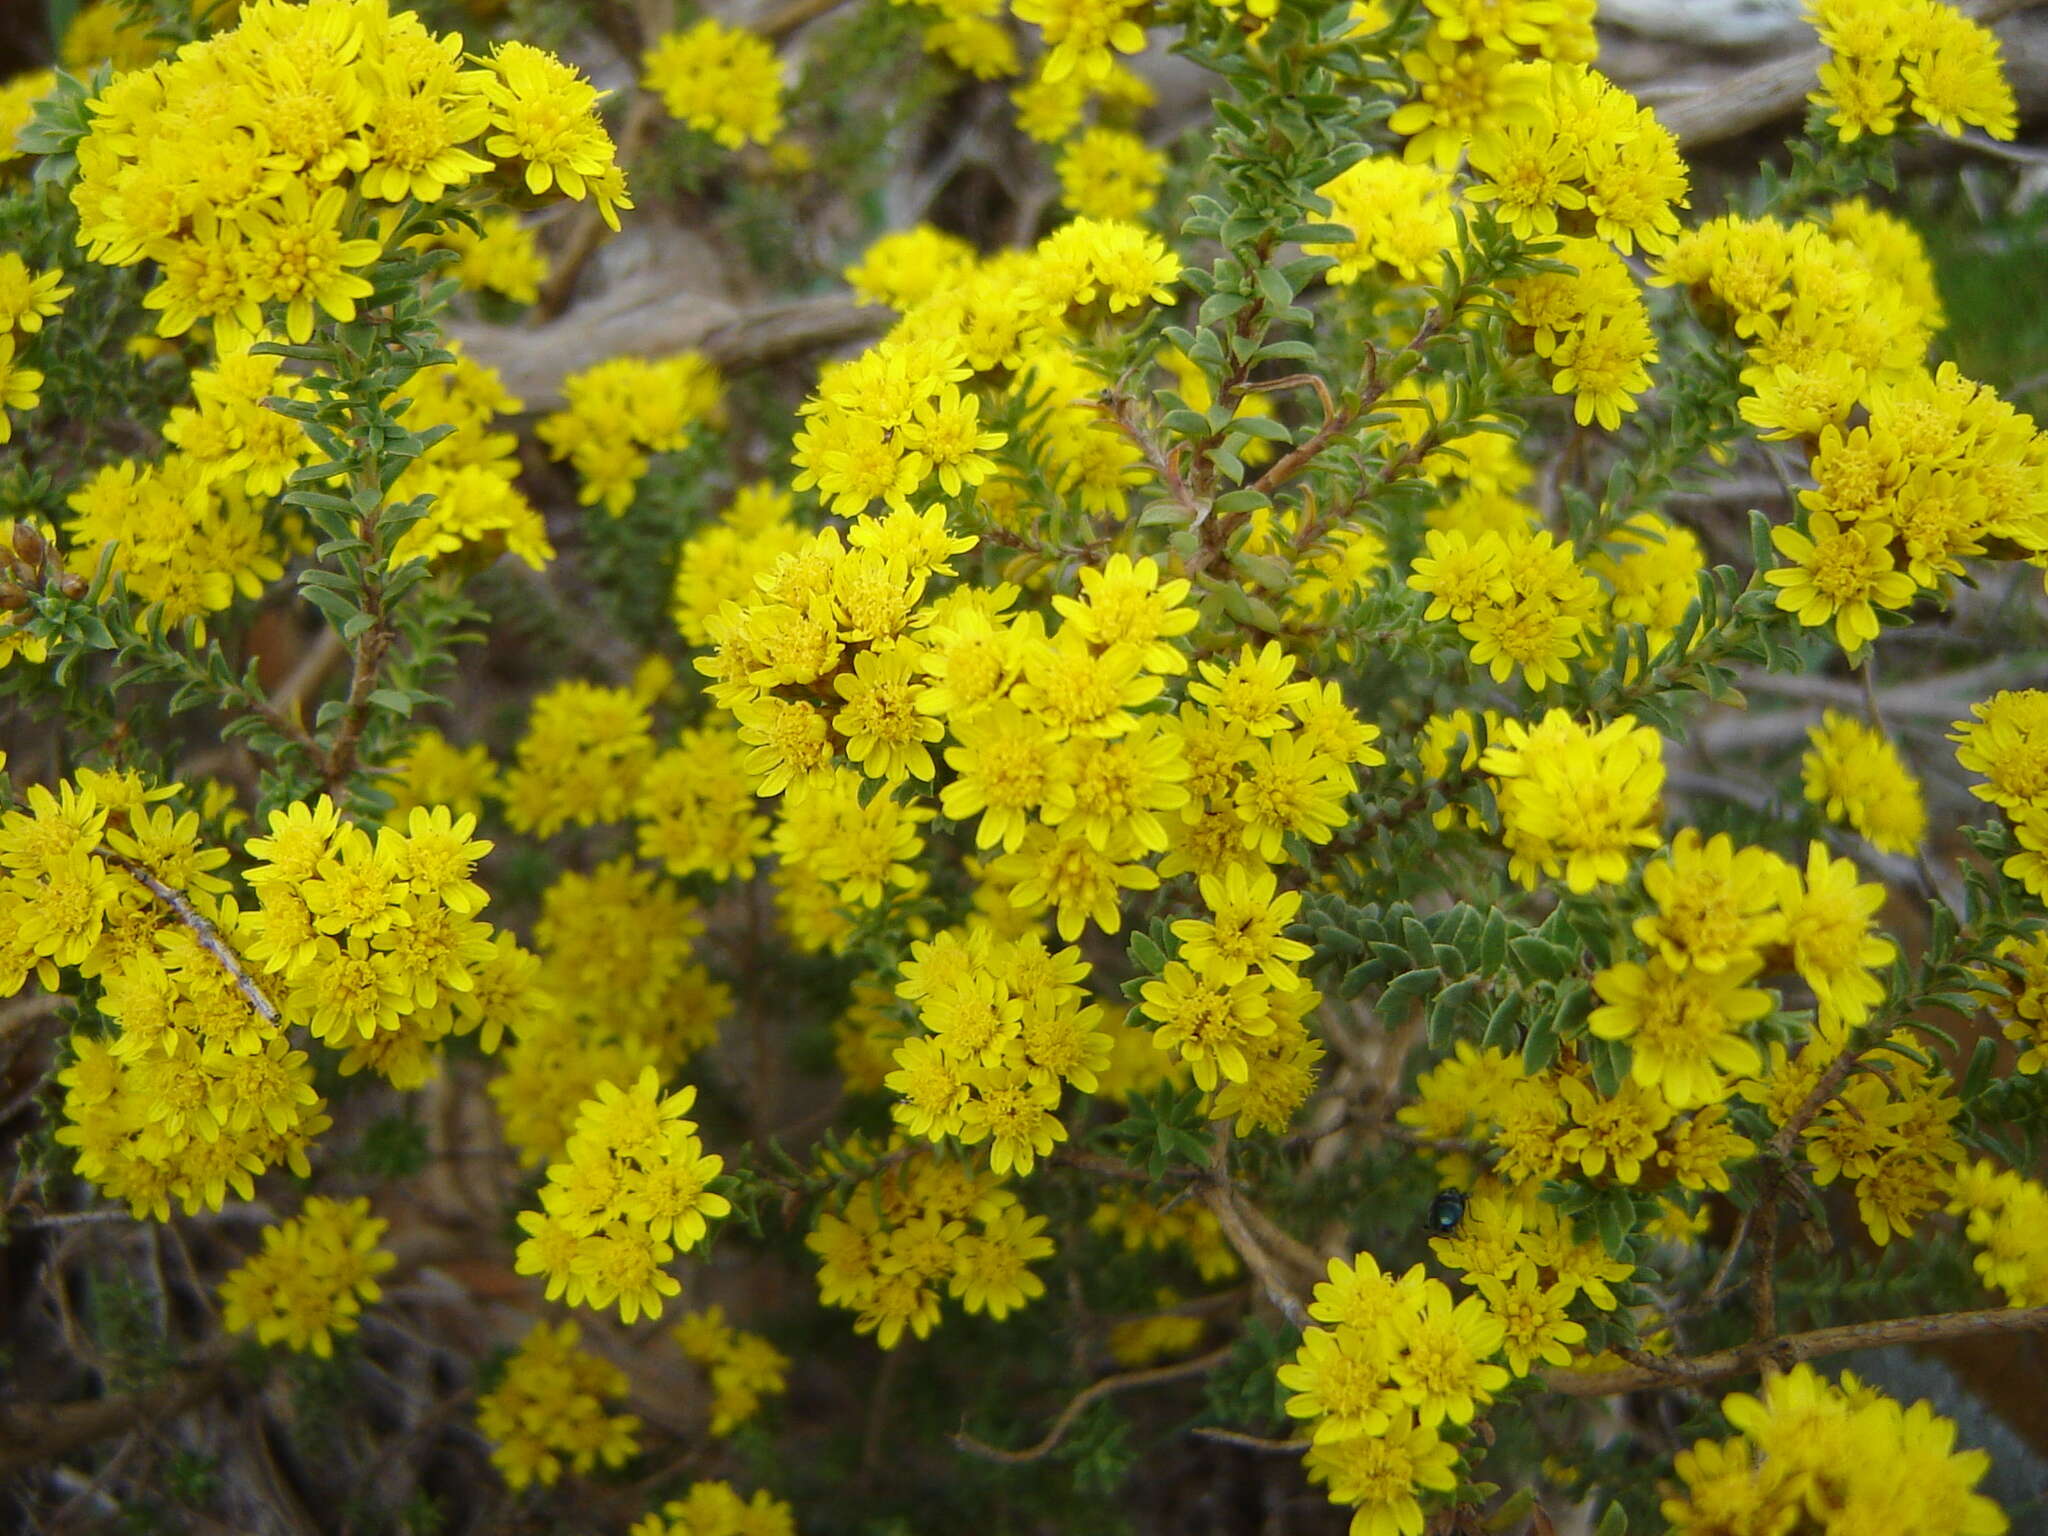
(1445, 1211)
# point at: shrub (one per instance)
(1183, 816)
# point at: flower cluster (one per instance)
(2006, 1216)
(478, 510)
(2016, 992)
(1856, 775)
(1575, 801)
(1590, 329)
(716, 1509)
(1050, 108)
(722, 81)
(1812, 1455)
(896, 423)
(1890, 1131)
(1580, 157)
(744, 1367)
(18, 98)
(502, 255)
(1521, 598)
(250, 167)
(621, 410)
(1388, 1364)
(1898, 56)
(1009, 1023)
(1399, 216)
(2006, 741)
(1560, 1123)
(632, 1191)
(919, 1227)
(1081, 34)
(198, 1088)
(1233, 1009)
(1107, 173)
(722, 559)
(374, 939)
(182, 531)
(616, 988)
(1915, 470)
(547, 1415)
(909, 266)
(1185, 1227)
(312, 1279)
(1473, 71)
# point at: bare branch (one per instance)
(1791, 1348)
(1156, 1375)
(1249, 1442)
(208, 936)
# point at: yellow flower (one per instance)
(18, 387)
(1106, 173)
(1460, 93)
(1339, 1378)
(1081, 33)
(311, 1279)
(1681, 1026)
(28, 298)
(1857, 776)
(1717, 905)
(720, 80)
(547, 1413)
(2006, 741)
(884, 731)
(1573, 801)
(1208, 1021)
(1838, 573)
(1621, 1130)
(1290, 789)
(1441, 1369)
(1828, 924)
(1107, 790)
(545, 113)
(298, 256)
(1534, 1326)
(1380, 1475)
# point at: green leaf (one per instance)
(1500, 1024)
(1493, 942)
(397, 700)
(1444, 1012)
(1404, 989)
(1760, 540)
(338, 607)
(1610, 1061)
(1539, 959)
(1539, 1050)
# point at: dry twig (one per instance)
(1109, 1385)
(1788, 1349)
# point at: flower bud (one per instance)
(71, 585)
(28, 544)
(12, 598)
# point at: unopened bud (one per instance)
(72, 586)
(12, 598)
(28, 544)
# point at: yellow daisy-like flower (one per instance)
(1834, 946)
(19, 387)
(1681, 1026)
(1858, 777)
(1840, 574)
